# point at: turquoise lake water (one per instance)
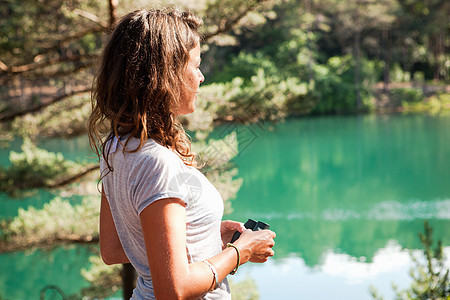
(346, 196)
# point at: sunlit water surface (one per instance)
(345, 195)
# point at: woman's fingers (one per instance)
(262, 257)
(264, 248)
(232, 225)
(256, 245)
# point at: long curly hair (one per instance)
(139, 80)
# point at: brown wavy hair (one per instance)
(138, 84)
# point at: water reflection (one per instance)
(25, 274)
(346, 196)
(340, 276)
(348, 184)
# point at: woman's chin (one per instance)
(191, 110)
(187, 111)
(191, 107)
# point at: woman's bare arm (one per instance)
(164, 227)
(111, 249)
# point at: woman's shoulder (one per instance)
(158, 152)
(155, 154)
(150, 157)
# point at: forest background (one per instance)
(263, 60)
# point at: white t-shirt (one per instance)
(154, 173)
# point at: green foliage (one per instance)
(245, 66)
(262, 98)
(398, 75)
(414, 100)
(277, 58)
(314, 44)
(60, 220)
(430, 281)
(245, 289)
(408, 95)
(57, 221)
(104, 280)
(63, 119)
(292, 57)
(34, 168)
(215, 158)
(227, 14)
(333, 87)
(290, 75)
(28, 27)
(430, 277)
(274, 94)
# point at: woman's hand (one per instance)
(255, 246)
(227, 229)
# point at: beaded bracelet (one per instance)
(238, 258)
(215, 283)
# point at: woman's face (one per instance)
(192, 79)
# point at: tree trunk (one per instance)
(308, 43)
(129, 277)
(358, 69)
(112, 12)
(387, 59)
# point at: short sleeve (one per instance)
(157, 176)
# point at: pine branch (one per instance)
(13, 115)
(8, 247)
(62, 73)
(74, 177)
(228, 24)
(14, 70)
(3, 67)
(56, 223)
(91, 17)
(73, 37)
(102, 26)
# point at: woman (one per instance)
(158, 212)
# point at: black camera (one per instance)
(253, 225)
